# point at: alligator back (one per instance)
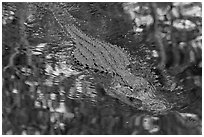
(97, 54)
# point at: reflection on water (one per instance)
(64, 87)
(68, 96)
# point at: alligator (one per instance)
(96, 54)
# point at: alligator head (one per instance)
(143, 96)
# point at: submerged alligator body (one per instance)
(90, 52)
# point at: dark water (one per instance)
(43, 93)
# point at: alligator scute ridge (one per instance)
(56, 10)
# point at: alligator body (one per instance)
(90, 52)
